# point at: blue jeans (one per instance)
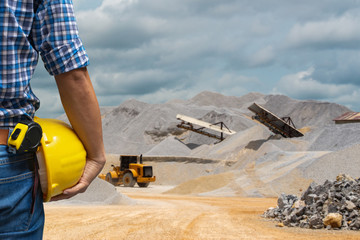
(21, 212)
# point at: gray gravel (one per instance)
(265, 165)
(334, 137)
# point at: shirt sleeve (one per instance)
(55, 36)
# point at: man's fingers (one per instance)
(59, 197)
(70, 192)
(92, 169)
(78, 188)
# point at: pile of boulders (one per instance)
(333, 205)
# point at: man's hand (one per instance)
(91, 171)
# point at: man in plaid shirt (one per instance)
(29, 28)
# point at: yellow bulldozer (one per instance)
(130, 172)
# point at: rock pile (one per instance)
(333, 205)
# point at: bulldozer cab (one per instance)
(125, 161)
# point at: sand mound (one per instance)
(171, 146)
(203, 184)
(330, 165)
(99, 193)
(177, 170)
(231, 146)
(336, 137)
(220, 101)
(304, 113)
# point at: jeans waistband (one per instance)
(4, 154)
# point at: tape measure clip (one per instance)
(25, 137)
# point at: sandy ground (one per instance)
(164, 216)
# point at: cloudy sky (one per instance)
(156, 50)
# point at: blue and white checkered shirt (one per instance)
(30, 27)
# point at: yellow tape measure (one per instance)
(25, 137)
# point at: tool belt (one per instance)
(4, 135)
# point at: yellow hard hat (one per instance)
(61, 157)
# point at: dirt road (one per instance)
(158, 216)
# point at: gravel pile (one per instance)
(335, 137)
(332, 163)
(332, 205)
(262, 163)
(171, 146)
(99, 192)
(135, 127)
(304, 113)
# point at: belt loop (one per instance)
(36, 185)
(11, 129)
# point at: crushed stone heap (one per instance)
(333, 205)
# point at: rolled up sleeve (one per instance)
(56, 38)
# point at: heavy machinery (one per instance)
(130, 172)
(189, 122)
(283, 126)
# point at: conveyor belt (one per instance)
(273, 122)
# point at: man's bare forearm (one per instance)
(81, 106)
